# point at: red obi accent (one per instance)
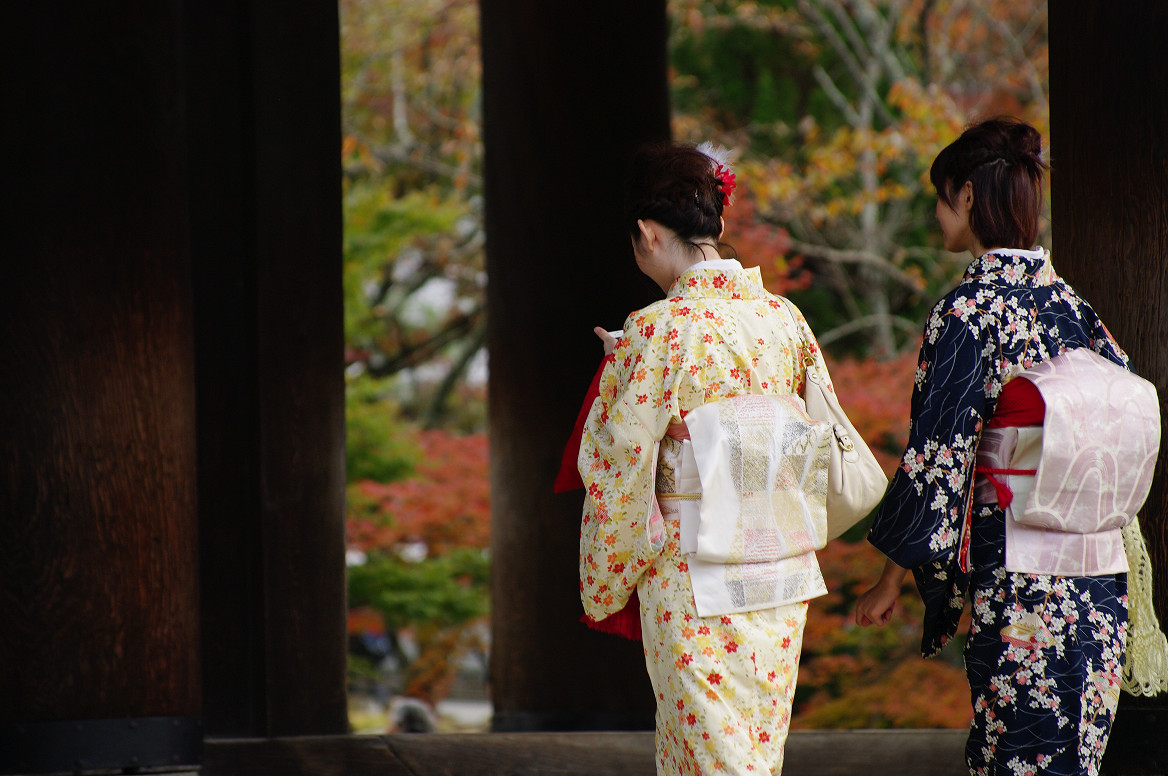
(626, 622)
(1019, 404)
(966, 534)
(1005, 495)
(569, 476)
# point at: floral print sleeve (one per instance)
(619, 536)
(920, 518)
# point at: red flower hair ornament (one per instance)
(722, 158)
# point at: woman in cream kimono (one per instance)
(724, 683)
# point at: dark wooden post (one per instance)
(264, 96)
(171, 402)
(568, 91)
(99, 622)
(1109, 149)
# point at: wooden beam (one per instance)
(98, 524)
(822, 752)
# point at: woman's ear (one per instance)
(648, 235)
(721, 231)
(967, 195)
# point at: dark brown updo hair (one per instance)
(674, 185)
(1002, 158)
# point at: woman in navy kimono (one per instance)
(1044, 652)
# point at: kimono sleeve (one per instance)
(621, 530)
(920, 519)
(1103, 343)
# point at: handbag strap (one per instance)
(806, 359)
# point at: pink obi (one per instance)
(1092, 460)
(1034, 549)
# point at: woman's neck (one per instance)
(708, 251)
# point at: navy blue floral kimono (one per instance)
(1037, 710)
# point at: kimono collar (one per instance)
(1011, 267)
(720, 278)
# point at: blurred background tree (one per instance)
(414, 275)
(414, 283)
(835, 109)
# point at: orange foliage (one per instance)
(443, 506)
(759, 243)
(446, 504)
(914, 693)
(365, 619)
(431, 674)
(874, 677)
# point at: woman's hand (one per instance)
(608, 340)
(875, 605)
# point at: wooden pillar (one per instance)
(568, 91)
(99, 623)
(172, 401)
(1109, 151)
(264, 98)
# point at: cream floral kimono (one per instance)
(724, 684)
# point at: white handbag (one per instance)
(855, 481)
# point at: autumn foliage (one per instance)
(873, 677)
(424, 571)
(875, 395)
(444, 505)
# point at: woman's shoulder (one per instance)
(649, 322)
(650, 313)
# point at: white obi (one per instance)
(750, 489)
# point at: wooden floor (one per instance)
(821, 753)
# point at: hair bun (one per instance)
(1023, 143)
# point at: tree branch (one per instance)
(1033, 79)
(837, 42)
(475, 340)
(836, 96)
(846, 26)
(911, 328)
(880, 31)
(418, 354)
(865, 258)
(424, 162)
